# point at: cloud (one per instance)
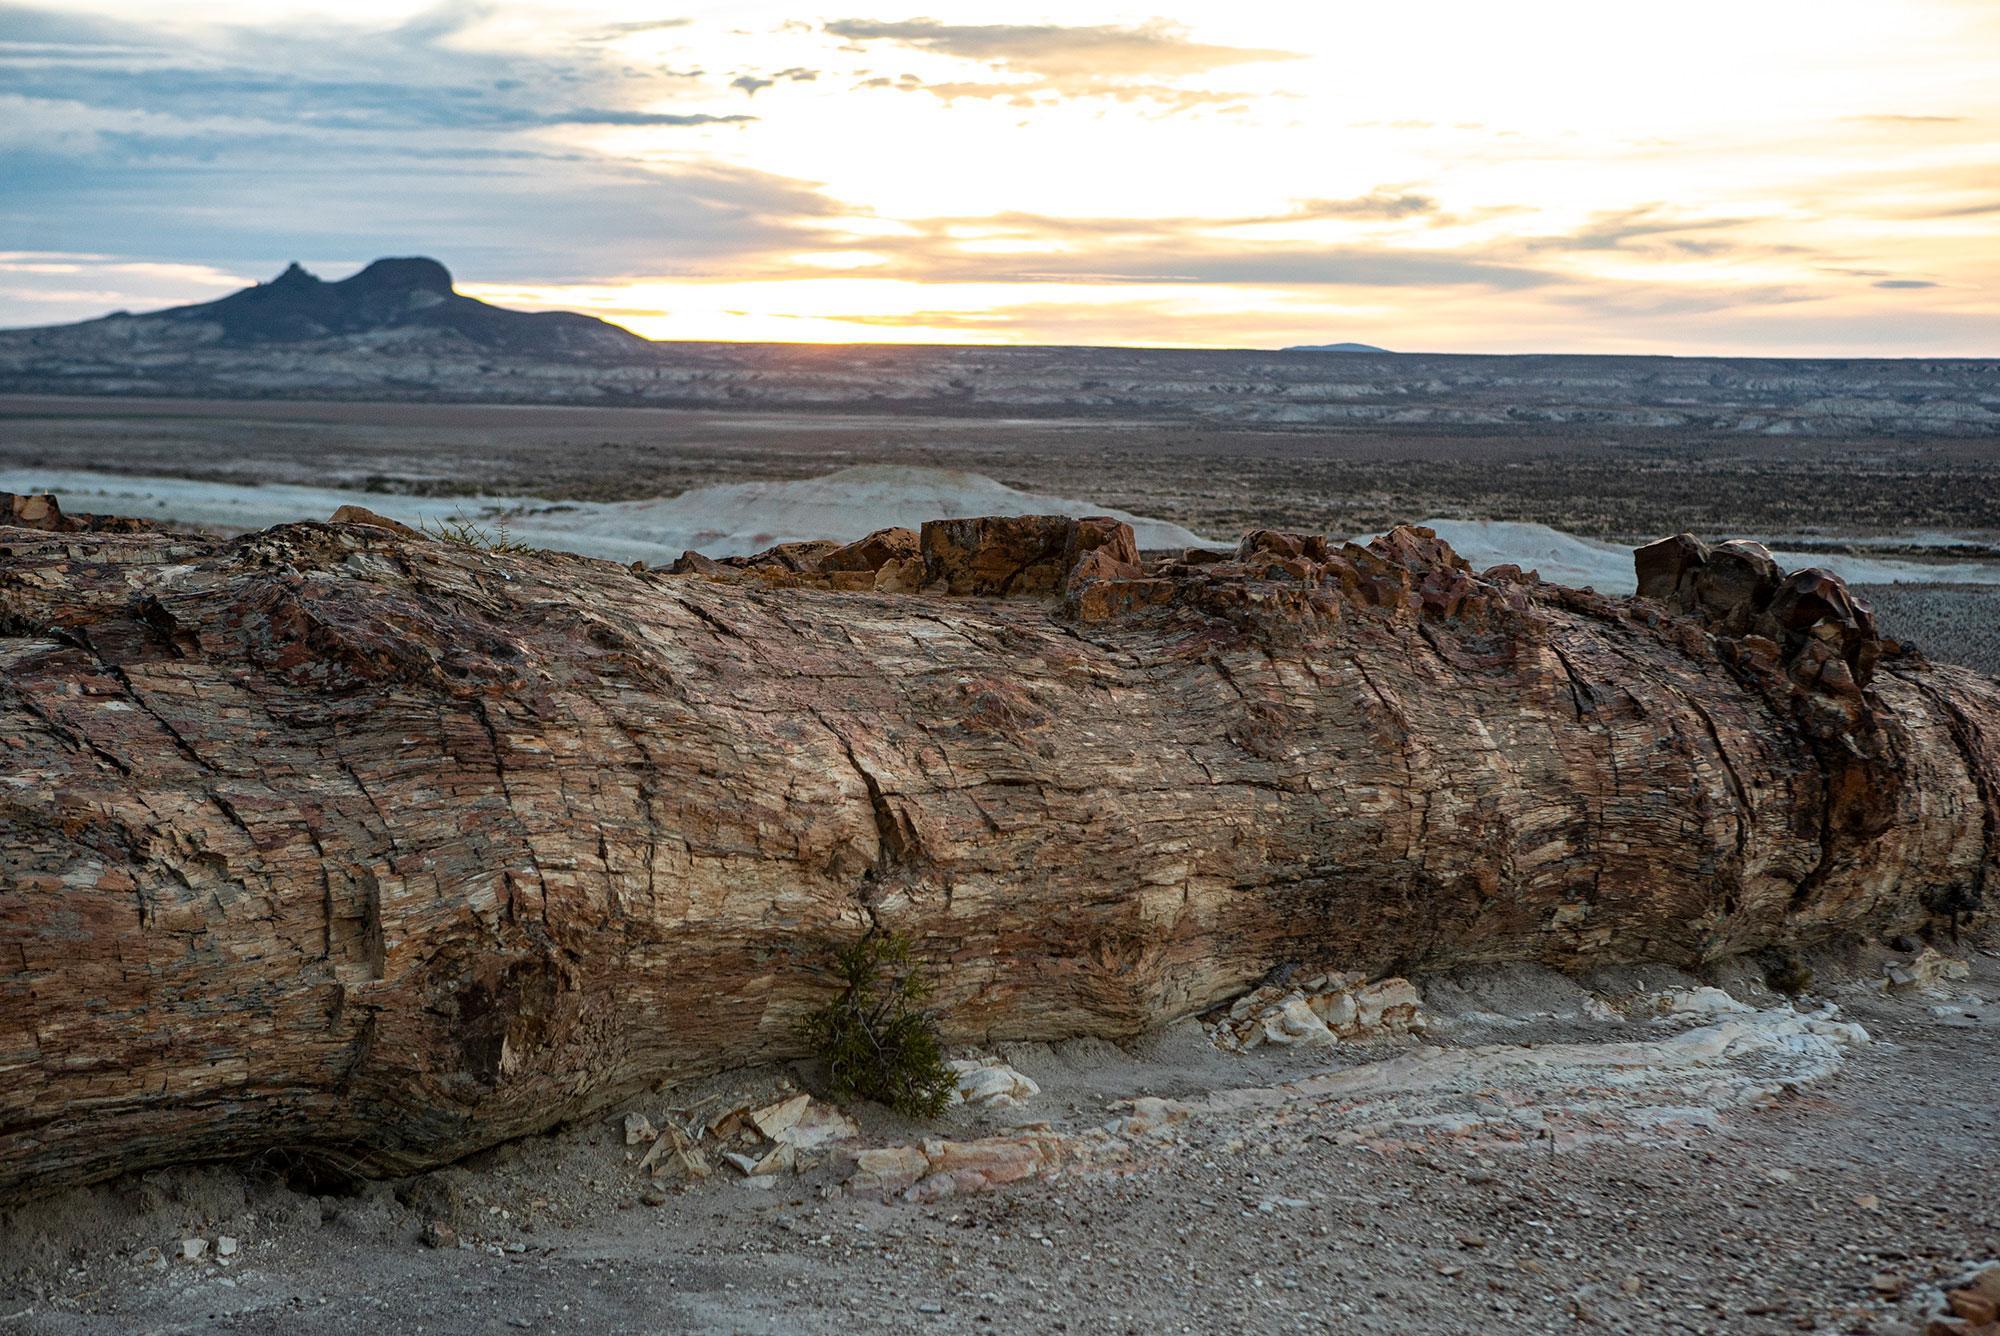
(242, 147)
(333, 78)
(1050, 92)
(27, 25)
(1135, 251)
(1652, 301)
(1377, 205)
(599, 116)
(1038, 249)
(1909, 120)
(1611, 231)
(1052, 51)
(750, 83)
(1969, 210)
(647, 25)
(1050, 62)
(1905, 283)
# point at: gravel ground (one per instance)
(1830, 1207)
(1623, 485)
(1951, 623)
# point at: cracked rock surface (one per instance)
(343, 840)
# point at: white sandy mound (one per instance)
(1606, 567)
(731, 519)
(735, 519)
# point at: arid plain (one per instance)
(1930, 497)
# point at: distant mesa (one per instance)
(1335, 348)
(407, 299)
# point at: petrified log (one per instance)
(341, 839)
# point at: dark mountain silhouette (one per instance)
(403, 298)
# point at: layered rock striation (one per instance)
(346, 840)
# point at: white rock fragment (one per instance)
(1928, 969)
(782, 1158)
(1699, 1003)
(639, 1129)
(225, 1246)
(672, 1149)
(775, 1119)
(1321, 1010)
(804, 1123)
(991, 1083)
(193, 1250)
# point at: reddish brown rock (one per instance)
(1667, 567)
(694, 563)
(1021, 555)
(394, 859)
(900, 575)
(872, 553)
(1416, 548)
(1099, 564)
(364, 516)
(40, 511)
(1100, 534)
(802, 558)
(32, 511)
(995, 556)
(1282, 546)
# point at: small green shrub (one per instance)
(468, 534)
(876, 1038)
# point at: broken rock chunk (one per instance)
(803, 1122)
(364, 516)
(782, 1158)
(991, 1083)
(1929, 969)
(671, 1150)
(1321, 1010)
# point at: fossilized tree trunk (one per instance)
(338, 838)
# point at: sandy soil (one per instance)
(1752, 1195)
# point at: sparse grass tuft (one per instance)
(877, 1039)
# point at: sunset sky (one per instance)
(1714, 176)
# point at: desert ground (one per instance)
(1622, 484)
(1620, 1152)
(1805, 1186)
(1927, 499)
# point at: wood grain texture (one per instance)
(336, 839)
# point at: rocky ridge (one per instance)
(394, 307)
